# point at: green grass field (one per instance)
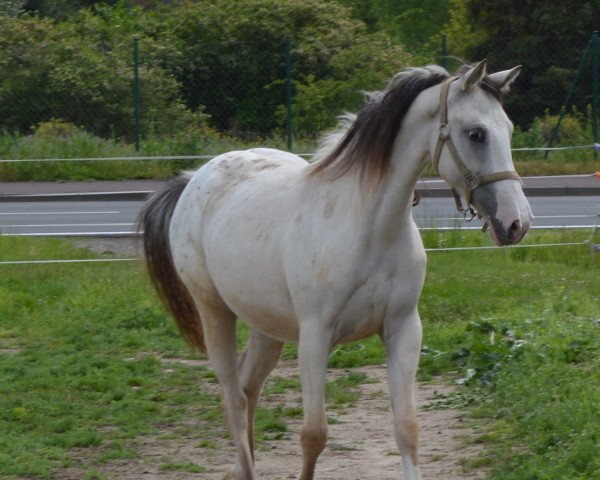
(81, 376)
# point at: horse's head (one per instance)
(472, 151)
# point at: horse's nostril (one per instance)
(515, 227)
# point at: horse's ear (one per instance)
(474, 76)
(505, 78)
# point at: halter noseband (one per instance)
(472, 181)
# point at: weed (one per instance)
(338, 447)
(181, 467)
(208, 444)
(268, 423)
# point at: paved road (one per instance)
(111, 208)
(118, 218)
(85, 218)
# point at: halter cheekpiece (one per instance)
(472, 180)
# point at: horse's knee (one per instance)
(313, 439)
(234, 408)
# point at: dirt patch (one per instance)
(360, 443)
(10, 351)
(126, 247)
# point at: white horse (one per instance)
(328, 252)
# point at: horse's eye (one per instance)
(477, 135)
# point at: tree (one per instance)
(226, 58)
(233, 60)
(12, 8)
(60, 10)
(411, 23)
(82, 72)
(548, 38)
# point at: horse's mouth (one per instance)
(503, 236)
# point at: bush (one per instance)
(233, 61)
(82, 72)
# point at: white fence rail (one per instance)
(593, 248)
(594, 146)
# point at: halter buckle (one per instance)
(472, 181)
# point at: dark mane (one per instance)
(369, 141)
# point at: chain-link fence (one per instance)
(264, 90)
(550, 65)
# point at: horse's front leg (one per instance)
(313, 352)
(402, 338)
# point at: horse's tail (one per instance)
(155, 220)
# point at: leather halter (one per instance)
(472, 180)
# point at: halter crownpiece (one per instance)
(472, 180)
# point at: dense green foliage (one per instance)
(548, 38)
(214, 73)
(83, 373)
(412, 23)
(223, 65)
(81, 71)
(226, 59)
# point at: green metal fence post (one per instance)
(288, 100)
(570, 93)
(444, 52)
(136, 93)
(595, 110)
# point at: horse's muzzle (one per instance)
(511, 235)
(505, 209)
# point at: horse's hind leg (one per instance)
(402, 338)
(255, 364)
(220, 336)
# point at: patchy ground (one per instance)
(126, 247)
(360, 443)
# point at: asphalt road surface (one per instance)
(118, 218)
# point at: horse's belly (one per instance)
(280, 325)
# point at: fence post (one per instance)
(595, 110)
(570, 93)
(444, 51)
(136, 93)
(288, 100)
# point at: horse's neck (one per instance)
(389, 204)
(378, 211)
(392, 204)
(381, 211)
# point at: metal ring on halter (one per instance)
(469, 214)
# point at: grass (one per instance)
(59, 140)
(181, 467)
(81, 380)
